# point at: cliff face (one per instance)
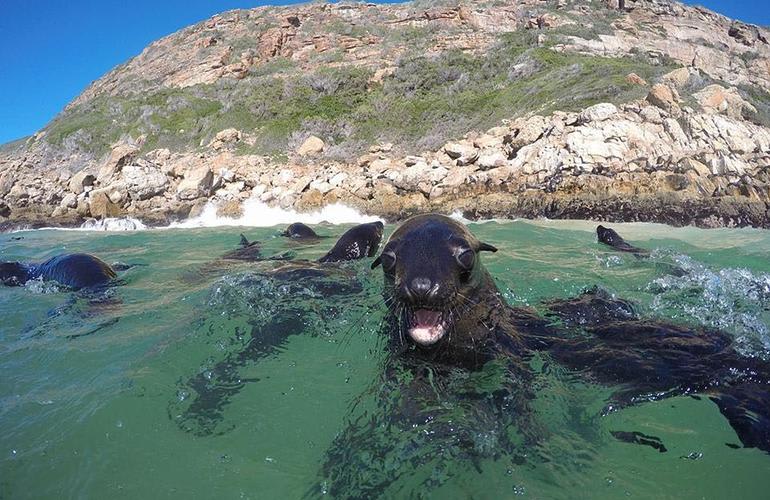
(503, 108)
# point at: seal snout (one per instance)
(422, 289)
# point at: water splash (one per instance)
(40, 287)
(113, 224)
(733, 299)
(258, 214)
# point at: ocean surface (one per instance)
(199, 377)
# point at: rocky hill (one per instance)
(559, 108)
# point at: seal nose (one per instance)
(421, 288)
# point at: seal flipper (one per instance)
(747, 408)
(652, 360)
(244, 242)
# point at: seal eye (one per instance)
(388, 261)
(466, 259)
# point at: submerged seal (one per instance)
(75, 270)
(610, 237)
(248, 250)
(300, 231)
(357, 242)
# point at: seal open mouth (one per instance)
(427, 326)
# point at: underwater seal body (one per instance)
(203, 413)
(78, 270)
(358, 242)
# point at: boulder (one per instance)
(121, 155)
(678, 78)
(491, 159)
(225, 137)
(196, 183)
(312, 146)
(80, 181)
(231, 209)
(100, 206)
(717, 99)
(461, 151)
(70, 200)
(663, 97)
(635, 79)
(144, 182)
(598, 112)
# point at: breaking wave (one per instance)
(733, 299)
(259, 214)
(113, 224)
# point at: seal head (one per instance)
(433, 276)
(13, 273)
(610, 237)
(300, 231)
(358, 242)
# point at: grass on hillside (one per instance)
(426, 102)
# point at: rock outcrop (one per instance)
(693, 151)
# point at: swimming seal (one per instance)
(358, 242)
(300, 231)
(439, 294)
(76, 270)
(610, 237)
(249, 250)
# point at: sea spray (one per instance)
(113, 224)
(259, 214)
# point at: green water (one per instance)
(102, 415)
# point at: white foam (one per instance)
(113, 224)
(259, 214)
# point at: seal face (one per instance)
(300, 231)
(357, 242)
(433, 276)
(13, 273)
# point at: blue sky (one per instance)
(50, 50)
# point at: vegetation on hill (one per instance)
(425, 102)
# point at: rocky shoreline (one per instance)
(653, 160)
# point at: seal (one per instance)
(75, 270)
(248, 250)
(610, 237)
(356, 243)
(300, 231)
(442, 300)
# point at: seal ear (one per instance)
(486, 247)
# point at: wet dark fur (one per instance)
(610, 237)
(300, 231)
(358, 242)
(77, 270)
